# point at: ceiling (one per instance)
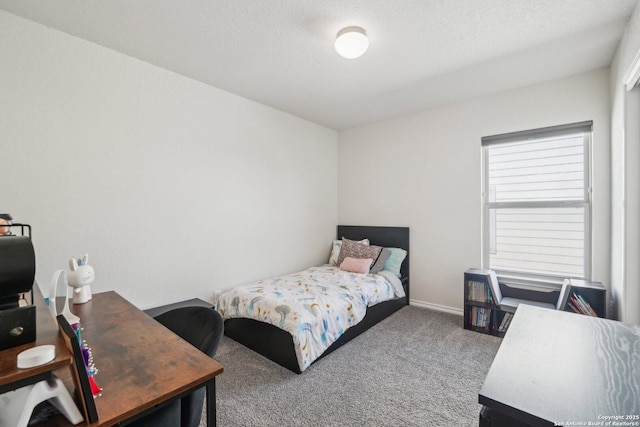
(422, 54)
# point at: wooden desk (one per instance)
(140, 363)
(555, 367)
(11, 377)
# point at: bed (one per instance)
(278, 344)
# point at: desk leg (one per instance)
(211, 403)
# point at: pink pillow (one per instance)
(356, 265)
(354, 249)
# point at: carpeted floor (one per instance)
(417, 368)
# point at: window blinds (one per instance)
(548, 132)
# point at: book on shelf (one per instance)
(506, 321)
(480, 317)
(572, 297)
(573, 307)
(484, 317)
(478, 292)
(487, 290)
(580, 305)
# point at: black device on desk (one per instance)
(17, 272)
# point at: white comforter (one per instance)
(315, 306)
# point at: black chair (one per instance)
(203, 328)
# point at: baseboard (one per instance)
(436, 307)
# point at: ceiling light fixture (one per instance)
(351, 42)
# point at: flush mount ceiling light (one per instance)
(351, 42)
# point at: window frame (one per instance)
(552, 281)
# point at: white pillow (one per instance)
(337, 246)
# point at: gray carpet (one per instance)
(416, 368)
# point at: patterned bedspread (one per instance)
(315, 306)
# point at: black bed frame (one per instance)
(277, 344)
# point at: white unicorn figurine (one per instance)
(80, 277)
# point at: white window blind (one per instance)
(536, 217)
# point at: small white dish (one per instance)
(36, 356)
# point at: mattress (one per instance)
(316, 306)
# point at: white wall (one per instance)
(423, 171)
(625, 156)
(173, 187)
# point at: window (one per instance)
(536, 197)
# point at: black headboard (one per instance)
(388, 237)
